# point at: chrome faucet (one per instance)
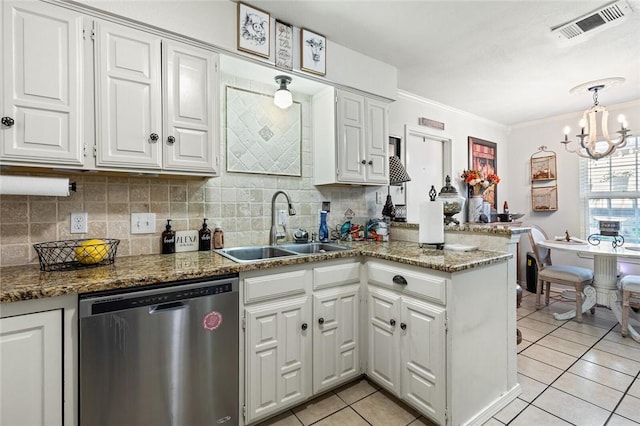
(274, 235)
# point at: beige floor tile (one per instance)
(585, 328)
(531, 334)
(635, 388)
(619, 349)
(549, 356)
(546, 317)
(540, 326)
(355, 391)
(511, 410)
(615, 362)
(523, 345)
(534, 416)
(422, 421)
(630, 408)
(524, 311)
(318, 408)
(284, 419)
(530, 388)
(595, 393)
(570, 408)
(562, 345)
(344, 417)
(537, 370)
(381, 410)
(491, 422)
(573, 336)
(617, 420)
(603, 375)
(615, 336)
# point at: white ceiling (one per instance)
(495, 59)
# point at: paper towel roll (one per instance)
(431, 224)
(34, 185)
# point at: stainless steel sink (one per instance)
(254, 253)
(313, 248)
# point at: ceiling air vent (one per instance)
(606, 16)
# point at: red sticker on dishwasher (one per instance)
(212, 321)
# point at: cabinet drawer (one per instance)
(421, 284)
(274, 286)
(336, 275)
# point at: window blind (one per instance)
(610, 189)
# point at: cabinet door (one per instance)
(31, 366)
(384, 360)
(278, 363)
(335, 336)
(42, 84)
(423, 357)
(377, 142)
(191, 98)
(128, 97)
(351, 129)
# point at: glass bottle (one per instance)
(323, 232)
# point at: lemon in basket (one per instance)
(92, 251)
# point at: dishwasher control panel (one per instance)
(178, 292)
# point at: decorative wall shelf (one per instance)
(544, 174)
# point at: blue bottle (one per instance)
(323, 232)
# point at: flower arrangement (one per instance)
(478, 183)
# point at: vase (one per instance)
(476, 207)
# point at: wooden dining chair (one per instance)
(574, 276)
(630, 286)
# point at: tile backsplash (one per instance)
(240, 202)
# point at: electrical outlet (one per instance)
(79, 223)
(143, 223)
(282, 217)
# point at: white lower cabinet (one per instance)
(335, 336)
(31, 355)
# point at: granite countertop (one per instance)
(495, 228)
(27, 282)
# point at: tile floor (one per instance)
(570, 373)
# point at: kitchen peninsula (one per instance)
(447, 304)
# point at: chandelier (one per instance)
(590, 136)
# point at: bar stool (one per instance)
(630, 288)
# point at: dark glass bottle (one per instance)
(204, 237)
(168, 239)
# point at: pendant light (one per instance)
(282, 98)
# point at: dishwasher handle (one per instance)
(165, 307)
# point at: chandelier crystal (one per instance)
(589, 135)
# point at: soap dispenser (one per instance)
(218, 237)
(168, 239)
(323, 232)
(204, 237)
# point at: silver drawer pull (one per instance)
(399, 279)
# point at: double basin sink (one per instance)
(257, 253)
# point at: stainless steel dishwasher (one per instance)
(163, 356)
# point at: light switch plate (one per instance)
(282, 217)
(143, 223)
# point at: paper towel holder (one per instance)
(438, 246)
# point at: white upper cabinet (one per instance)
(42, 85)
(191, 119)
(128, 97)
(350, 134)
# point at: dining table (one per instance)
(604, 291)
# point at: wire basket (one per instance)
(76, 254)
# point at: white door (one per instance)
(128, 97)
(191, 99)
(278, 363)
(384, 351)
(423, 344)
(335, 336)
(42, 84)
(31, 369)
(377, 142)
(350, 150)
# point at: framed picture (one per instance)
(254, 29)
(284, 45)
(313, 52)
(483, 157)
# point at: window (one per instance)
(611, 190)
